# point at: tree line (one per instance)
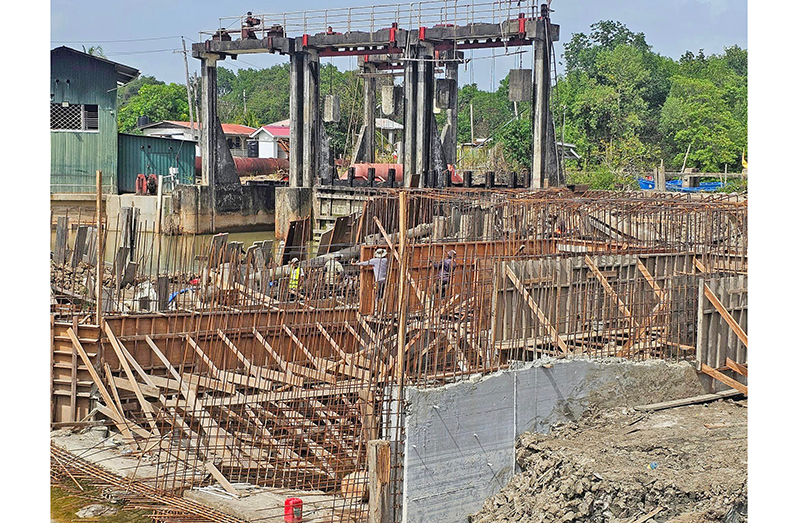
(624, 106)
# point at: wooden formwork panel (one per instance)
(570, 302)
(717, 339)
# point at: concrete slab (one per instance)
(266, 504)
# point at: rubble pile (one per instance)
(684, 465)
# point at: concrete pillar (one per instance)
(296, 101)
(310, 115)
(488, 225)
(369, 111)
(409, 149)
(467, 230)
(450, 131)
(540, 119)
(209, 118)
(439, 227)
(424, 91)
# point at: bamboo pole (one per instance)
(99, 283)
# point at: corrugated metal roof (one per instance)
(227, 128)
(278, 131)
(124, 73)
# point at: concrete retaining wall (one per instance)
(460, 438)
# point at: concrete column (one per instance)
(310, 114)
(424, 92)
(369, 116)
(209, 131)
(209, 118)
(450, 140)
(409, 152)
(297, 102)
(541, 110)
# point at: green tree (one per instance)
(697, 115)
(158, 102)
(94, 50)
(131, 89)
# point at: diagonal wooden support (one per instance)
(737, 367)
(608, 288)
(115, 415)
(725, 315)
(302, 347)
(145, 405)
(260, 373)
(195, 408)
(346, 366)
(537, 311)
(731, 382)
(273, 353)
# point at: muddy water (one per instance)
(169, 252)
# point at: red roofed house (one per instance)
(272, 140)
(236, 135)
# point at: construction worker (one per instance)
(250, 22)
(380, 267)
(446, 267)
(296, 275)
(333, 275)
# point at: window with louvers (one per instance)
(74, 117)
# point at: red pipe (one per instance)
(252, 166)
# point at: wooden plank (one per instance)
(258, 372)
(145, 405)
(273, 353)
(538, 312)
(736, 367)
(608, 288)
(124, 384)
(115, 416)
(208, 425)
(302, 347)
(219, 477)
(731, 382)
(650, 515)
(342, 387)
(704, 398)
(379, 474)
(725, 315)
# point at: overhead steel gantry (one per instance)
(418, 36)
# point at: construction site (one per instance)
(412, 344)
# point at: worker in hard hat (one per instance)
(379, 264)
(446, 268)
(295, 278)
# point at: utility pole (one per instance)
(472, 124)
(188, 89)
(98, 289)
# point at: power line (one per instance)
(142, 52)
(113, 41)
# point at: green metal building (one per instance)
(83, 120)
(152, 155)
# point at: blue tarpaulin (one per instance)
(676, 185)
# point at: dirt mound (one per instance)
(682, 465)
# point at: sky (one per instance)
(144, 34)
